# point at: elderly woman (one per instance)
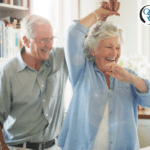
(103, 111)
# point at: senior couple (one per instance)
(103, 111)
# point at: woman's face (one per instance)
(108, 51)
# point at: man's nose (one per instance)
(49, 45)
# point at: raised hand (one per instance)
(106, 5)
(113, 4)
(104, 11)
(101, 13)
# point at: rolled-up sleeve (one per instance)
(143, 99)
(73, 45)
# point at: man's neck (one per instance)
(30, 61)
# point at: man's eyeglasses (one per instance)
(46, 41)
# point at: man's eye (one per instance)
(45, 41)
(108, 47)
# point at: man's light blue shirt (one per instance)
(89, 100)
(31, 101)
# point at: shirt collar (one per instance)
(21, 65)
(96, 69)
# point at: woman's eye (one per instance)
(108, 47)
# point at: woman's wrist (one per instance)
(97, 11)
(96, 16)
(89, 20)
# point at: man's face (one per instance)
(38, 50)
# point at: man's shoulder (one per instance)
(57, 59)
(59, 51)
(57, 54)
(10, 65)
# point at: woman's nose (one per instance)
(113, 51)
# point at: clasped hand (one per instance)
(118, 72)
(104, 11)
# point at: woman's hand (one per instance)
(101, 14)
(104, 11)
(119, 73)
(124, 76)
(113, 4)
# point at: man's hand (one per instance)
(104, 11)
(113, 4)
(101, 13)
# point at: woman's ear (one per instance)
(92, 52)
(26, 42)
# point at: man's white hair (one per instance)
(29, 23)
(100, 31)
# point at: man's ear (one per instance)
(92, 52)
(26, 42)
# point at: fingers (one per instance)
(106, 13)
(113, 4)
(118, 6)
(112, 74)
(112, 65)
(113, 68)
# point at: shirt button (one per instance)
(110, 96)
(43, 100)
(111, 142)
(42, 85)
(110, 112)
(127, 87)
(111, 88)
(46, 115)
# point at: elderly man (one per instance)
(31, 90)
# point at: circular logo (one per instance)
(145, 14)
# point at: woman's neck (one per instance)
(106, 76)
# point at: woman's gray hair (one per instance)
(100, 31)
(28, 25)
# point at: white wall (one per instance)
(128, 21)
